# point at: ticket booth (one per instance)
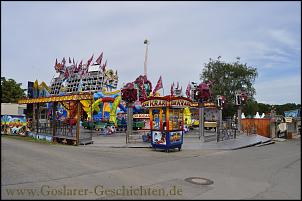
(166, 121)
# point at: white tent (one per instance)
(257, 116)
(262, 116)
(242, 116)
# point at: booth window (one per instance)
(159, 123)
(175, 119)
(155, 119)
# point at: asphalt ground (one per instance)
(33, 170)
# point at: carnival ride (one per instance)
(71, 91)
(103, 108)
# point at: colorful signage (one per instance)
(180, 103)
(155, 103)
(208, 104)
(159, 137)
(57, 98)
(175, 137)
(142, 116)
(13, 124)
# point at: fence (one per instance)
(256, 126)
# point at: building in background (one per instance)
(13, 109)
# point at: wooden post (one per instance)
(78, 122)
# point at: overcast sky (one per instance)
(183, 36)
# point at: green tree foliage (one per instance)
(250, 108)
(264, 108)
(11, 91)
(228, 78)
(280, 109)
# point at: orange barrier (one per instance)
(256, 126)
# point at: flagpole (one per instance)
(146, 42)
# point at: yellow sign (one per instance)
(180, 103)
(194, 104)
(155, 103)
(143, 116)
(56, 98)
(209, 105)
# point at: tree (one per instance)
(280, 109)
(251, 108)
(11, 91)
(227, 79)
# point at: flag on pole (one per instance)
(80, 65)
(188, 90)
(104, 65)
(99, 59)
(172, 89)
(76, 67)
(89, 61)
(158, 86)
(63, 61)
(56, 65)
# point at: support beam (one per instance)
(239, 119)
(129, 122)
(37, 118)
(220, 118)
(54, 120)
(78, 122)
(201, 121)
(33, 123)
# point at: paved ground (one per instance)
(191, 141)
(43, 171)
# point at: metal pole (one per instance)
(220, 123)
(146, 57)
(129, 122)
(239, 119)
(200, 126)
(54, 124)
(78, 123)
(38, 116)
(201, 121)
(220, 118)
(34, 117)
